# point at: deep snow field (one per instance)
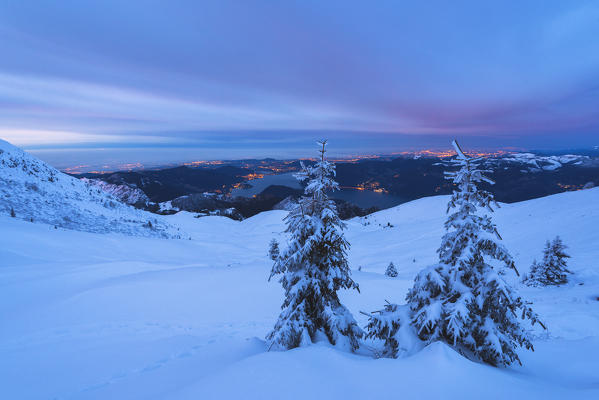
(108, 316)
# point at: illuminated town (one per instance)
(270, 166)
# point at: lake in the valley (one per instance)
(361, 198)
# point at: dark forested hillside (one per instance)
(167, 184)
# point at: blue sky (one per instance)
(265, 78)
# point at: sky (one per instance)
(141, 81)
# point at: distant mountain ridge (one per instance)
(518, 176)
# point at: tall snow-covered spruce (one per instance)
(463, 300)
(313, 267)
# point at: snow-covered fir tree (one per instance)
(464, 300)
(313, 267)
(391, 271)
(553, 270)
(273, 250)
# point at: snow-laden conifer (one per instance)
(391, 271)
(464, 300)
(273, 250)
(313, 267)
(553, 270)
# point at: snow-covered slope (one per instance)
(39, 192)
(185, 319)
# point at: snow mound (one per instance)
(38, 192)
(320, 372)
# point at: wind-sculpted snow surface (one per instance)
(38, 192)
(117, 317)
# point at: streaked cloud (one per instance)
(192, 72)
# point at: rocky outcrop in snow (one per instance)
(126, 193)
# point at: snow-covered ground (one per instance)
(108, 316)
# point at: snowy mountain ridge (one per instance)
(537, 162)
(37, 192)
